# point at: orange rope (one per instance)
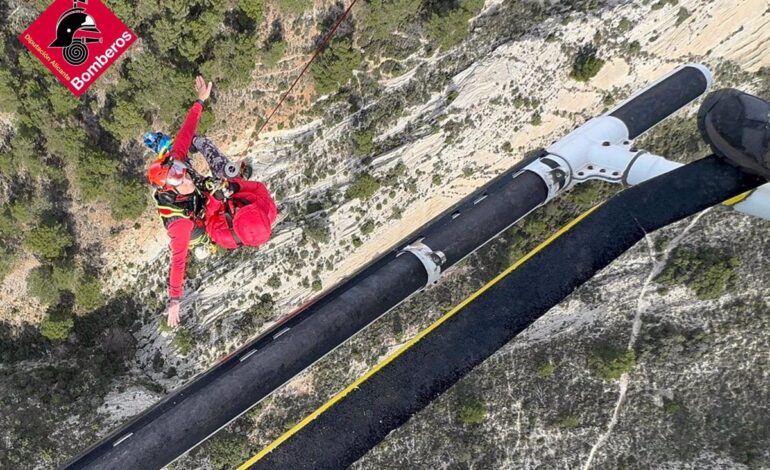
(318, 51)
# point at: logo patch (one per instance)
(77, 41)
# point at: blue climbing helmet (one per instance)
(158, 142)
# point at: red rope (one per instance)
(318, 51)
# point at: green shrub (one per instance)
(226, 449)
(57, 325)
(63, 102)
(127, 120)
(376, 20)
(449, 28)
(65, 142)
(94, 170)
(273, 53)
(609, 362)
(28, 211)
(183, 341)
(207, 120)
(333, 68)
(362, 187)
(39, 285)
(34, 107)
(624, 25)
(586, 65)
(163, 325)
(316, 286)
(8, 165)
(707, 271)
(64, 275)
(587, 195)
(8, 100)
(678, 138)
(682, 15)
(521, 102)
(362, 142)
(317, 229)
(264, 309)
(24, 154)
(569, 422)
(294, 7)
(274, 281)
(367, 227)
(252, 8)
(164, 100)
(128, 199)
(232, 61)
(395, 175)
(537, 229)
(197, 34)
(49, 241)
(762, 76)
(9, 227)
(88, 293)
(671, 407)
(546, 370)
(472, 411)
(7, 261)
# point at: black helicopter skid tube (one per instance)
(193, 413)
(660, 100)
(362, 415)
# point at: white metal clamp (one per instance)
(431, 260)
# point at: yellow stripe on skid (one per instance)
(339, 396)
(735, 200)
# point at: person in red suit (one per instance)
(198, 210)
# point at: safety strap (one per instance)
(229, 219)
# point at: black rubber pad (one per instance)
(352, 426)
(654, 105)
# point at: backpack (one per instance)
(240, 222)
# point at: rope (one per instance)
(317, 52)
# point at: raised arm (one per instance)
(186, 133)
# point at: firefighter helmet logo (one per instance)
(74, 32)
(66, 39)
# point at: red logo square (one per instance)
(77, 41)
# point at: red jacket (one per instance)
(181, 229)
(254, 214)
(257, 220)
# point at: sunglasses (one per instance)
(176, 173)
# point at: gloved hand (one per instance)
(221, 189)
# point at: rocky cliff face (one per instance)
(642, 367)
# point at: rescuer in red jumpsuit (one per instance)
(197, 210)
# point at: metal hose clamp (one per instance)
(431, 260)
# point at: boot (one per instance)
(193, 148)
(246, 170)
